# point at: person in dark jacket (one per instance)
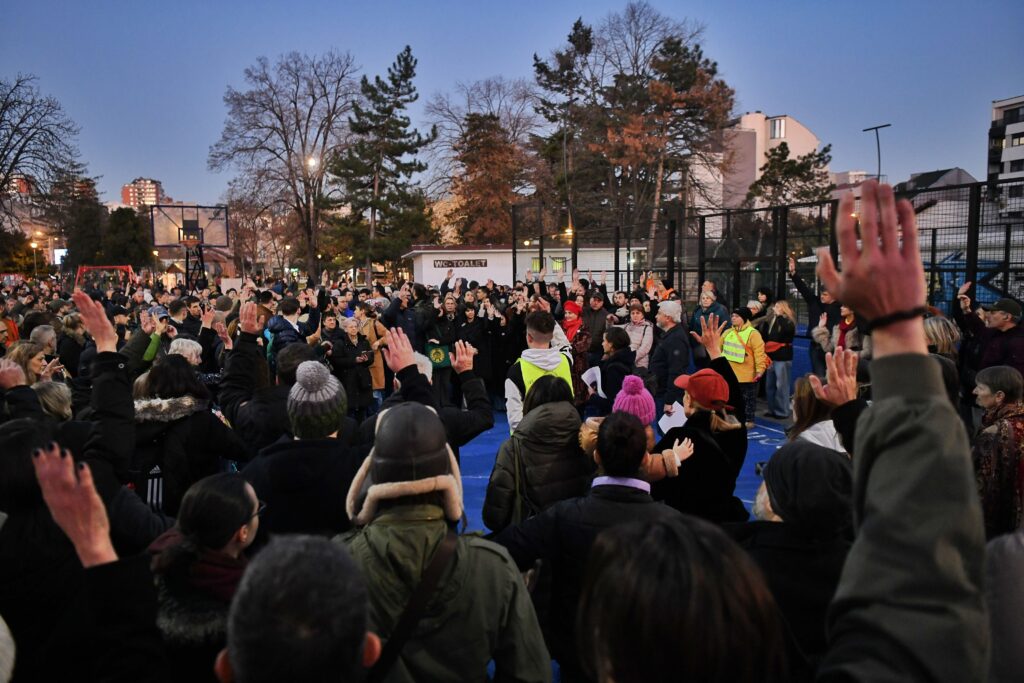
(595, 318)
(198, 565)
(71, 343)
(617, 364)
(564, 533)
(820, 304)
(285, 327)
(40, 576)
(350, 357)
(707, 479)
(178, 439)
(413, 373)
(541, 463)
(255, 408)
(778, 336)
(803, 532)
(671, 356)
(303, 480)
(1001, 336)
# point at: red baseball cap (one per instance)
(706, 387)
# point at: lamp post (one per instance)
(35, 265)
(878, 146)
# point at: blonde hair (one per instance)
(943, 335)
(785, 310)
(54, 398)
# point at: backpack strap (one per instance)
(414, 608)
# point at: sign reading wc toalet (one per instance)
(460, 263)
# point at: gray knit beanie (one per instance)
(316, 402)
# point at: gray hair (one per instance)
(672, 309)
(300, 613)
(43, 334)
(54, 398)
(189, 348)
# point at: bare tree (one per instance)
(284, 128)
(253, 210)
(36, 140)
(512, 102)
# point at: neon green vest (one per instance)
(734, 344)
(531, 373)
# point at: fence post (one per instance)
(515, 224)
(670, 270)
(933, 276)
(1007, 252)
(973, 236)
(833, 245)
(781, 255)
(701, 251)
(575, 243)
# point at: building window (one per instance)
(558, 264)
(1017, 140)
(777, 128)
(1016, 166)
(1016, 192)
(536, 264)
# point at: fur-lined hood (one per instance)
(167, 409)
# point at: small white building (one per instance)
(430, 262)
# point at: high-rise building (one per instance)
(142, 192)
(1006, 140)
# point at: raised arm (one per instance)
(909, 605)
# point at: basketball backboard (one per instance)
(172, 222)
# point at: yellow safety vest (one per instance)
(531, 373)
(734, 344)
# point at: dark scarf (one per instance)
(845, 327)
(214, 573)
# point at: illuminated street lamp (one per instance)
(35, 266)
(312, 162)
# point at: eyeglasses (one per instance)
(259, 511)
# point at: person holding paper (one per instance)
(713, 405)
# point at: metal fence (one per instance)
(969, 232)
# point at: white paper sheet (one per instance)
(676, 419)
(593, 377)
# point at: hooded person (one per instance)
(406, 498)
(803, 532)
(302, 479)
(538, 359)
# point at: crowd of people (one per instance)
(264, 484)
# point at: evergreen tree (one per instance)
(376, 171)
(127, 239)
(793, 181)
(485, 187)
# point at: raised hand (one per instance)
(247, 318)
(146, 322)
(398, 352)
(448, 275)
(51, 369)
(11, 375)
(823, 320)
(792, 265)
(74, 504)
(961, 295)
(841, 372)
(462, 357)
(710, 335)
(222, 332)
(96, 322)
(882, 277)
(682, 450)
(207, 318)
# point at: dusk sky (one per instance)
(145, 80)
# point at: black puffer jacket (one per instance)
(186, 441)
(552, 467)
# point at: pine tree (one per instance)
(127, 239)
(376, 171)
(793, 181)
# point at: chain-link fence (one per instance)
(969, 232)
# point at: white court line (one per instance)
(771, 429)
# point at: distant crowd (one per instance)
(264, 484)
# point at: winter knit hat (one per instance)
(410, 457)
(634, 399)
(744, 313)
(572, 307)
(316, 402)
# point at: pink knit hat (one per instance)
(634, 399)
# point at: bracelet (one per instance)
(893, 318)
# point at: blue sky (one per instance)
(145, 80)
